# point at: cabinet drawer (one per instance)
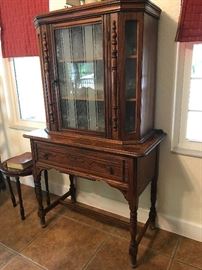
(82, 160)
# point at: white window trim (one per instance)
(179, 143)
(11, 98)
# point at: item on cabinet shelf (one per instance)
(72, 3)
(20, 162)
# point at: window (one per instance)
(28, 84)
(187, 131)
(194, 112)
(24, 94)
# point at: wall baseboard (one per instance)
(165, 222)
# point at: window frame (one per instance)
(12, 100)
(179, 143)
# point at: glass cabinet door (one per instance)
(130, 74)
(80, 67)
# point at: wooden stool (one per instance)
(2, 182)
(8, 172)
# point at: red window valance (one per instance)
(18, 36)
(190, 21)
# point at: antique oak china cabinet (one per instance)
(99, 68)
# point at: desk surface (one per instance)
(132, 150)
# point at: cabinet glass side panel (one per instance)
(130, 74)
(80, 68)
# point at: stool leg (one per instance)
(11, 191)
(47, 187)
(72, 188)
(22, 213)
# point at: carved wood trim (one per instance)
(46, 76)
(114, 76)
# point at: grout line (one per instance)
(14, 252)
(94, 255)
(188, 264)
(24, 259)
(11, 256)
(42, 230)
(33, 262)
(173, 254)
(176, 248)
(18, 254)
(3, 267)
(170, 263)
(179, 260)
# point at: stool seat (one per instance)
(15, 172)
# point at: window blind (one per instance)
(190, 21)
(18, 36)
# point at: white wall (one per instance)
(180, 179)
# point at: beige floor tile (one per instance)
(160, 241)
(5, 255)
(72, 240)
(111, 229)
(67, 245)
(181, 266)
(19, 263)
(14, 232)
(114, 255)
(190, 252)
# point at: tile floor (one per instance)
(72, 241)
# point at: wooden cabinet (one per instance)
(99, 68)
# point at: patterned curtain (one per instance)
(18, 36)
(190, 21)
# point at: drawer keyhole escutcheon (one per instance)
(111, 170)
(46, 156)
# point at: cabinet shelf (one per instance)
(83, 99)
(132, 56)
(89, 60)
(131, 99)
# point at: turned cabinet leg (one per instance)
(39, 198)
(47, 187)
(133, 248)
(72, 188)
(22, 212)
(11, 191)
(152, 213)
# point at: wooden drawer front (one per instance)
(83, 160)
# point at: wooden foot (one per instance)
(43, 222)
(133, 254)
(153, 226)
(152, 218)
